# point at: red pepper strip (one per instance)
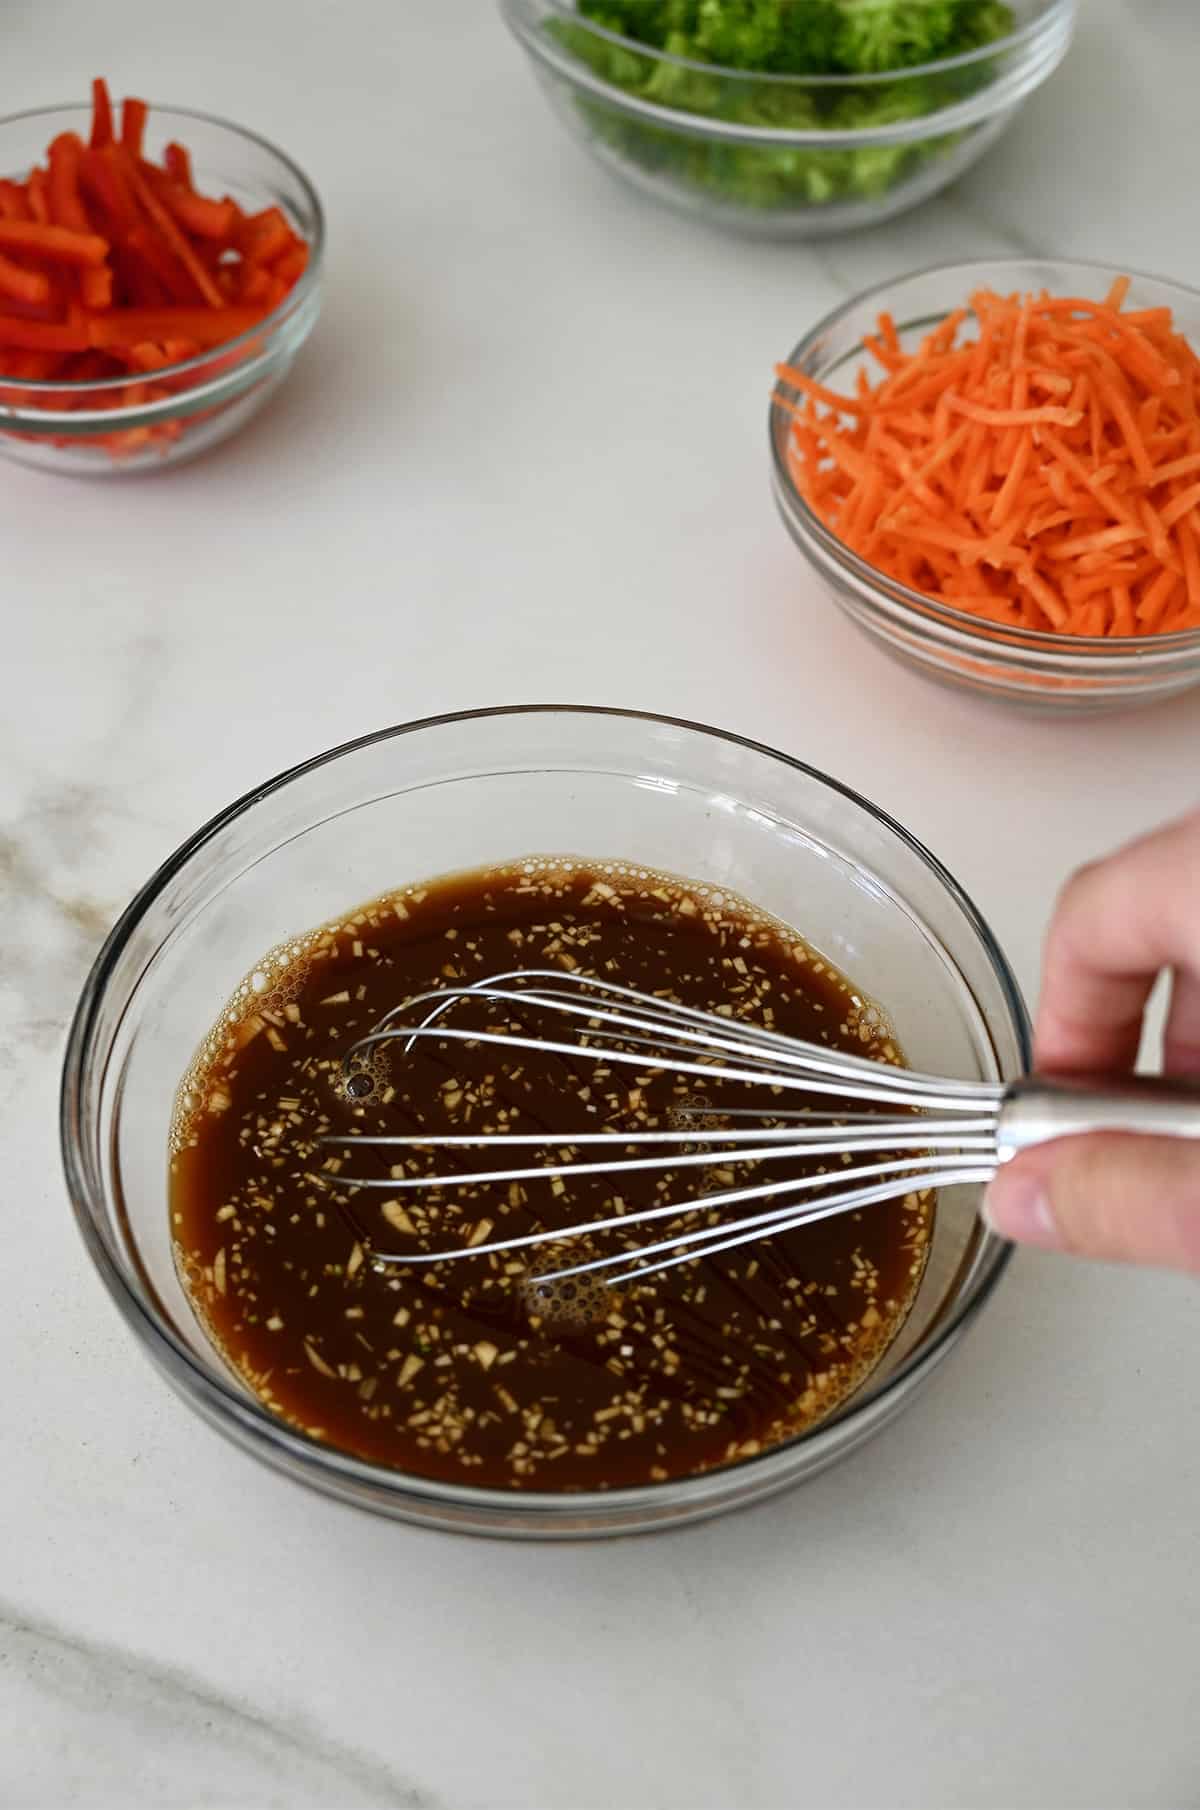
(293, 264)
(151, 274)
(96, 287)
(38, 191)
(13, 205)
(104, 182)
(43, 336)
(135, 281)
(93, 367)
(178, 163)
(256, 284)
(33, 365)
(169, 274)
(12, 308)
(208, 327)
(66, 209)
(133, 125)
(24, 285)
(102, 118)
(206, 219)
(265, 236)
(55, 242)
(175, 240)
(147, 356)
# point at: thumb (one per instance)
(1130, 1199)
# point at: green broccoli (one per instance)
(807, 39)
(982, 22)
(741, 34)
(781, 38)
(649, 22)
(877, 35)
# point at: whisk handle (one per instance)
(1038, 1109)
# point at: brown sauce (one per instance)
(472, 1371)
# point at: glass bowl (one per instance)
(457, 792)
(1042, 672)
(783, 155)
(66, 427)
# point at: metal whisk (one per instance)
(893, 1132)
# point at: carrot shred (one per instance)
(1043, 473)
(1180, 506)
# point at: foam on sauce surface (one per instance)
(480, 1371)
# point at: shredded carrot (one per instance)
(113, 265)
(1043, 473)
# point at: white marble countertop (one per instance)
(996, 1603)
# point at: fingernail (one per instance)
(1017, 1207)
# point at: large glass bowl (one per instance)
(786, 156)
(1063, 674)
(456, 792)
(70, 427)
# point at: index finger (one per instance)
(1118, 923)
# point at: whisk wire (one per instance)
(947, 1134)
(906, 1184)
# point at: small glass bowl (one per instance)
(782, 155)
(1041, 672)
(65, 427)
(460, 792)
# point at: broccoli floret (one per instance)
(741, 34)
(982, 22)
(650, 22)
(611, 62)
(877, 35)
(675, 85)
(774, 37)
(807, 39)
(881, 106)
(778, 37)
(781, 107)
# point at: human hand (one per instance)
(1118, 923)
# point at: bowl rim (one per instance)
(291, 304)
(917, 608)
(220, 1401)
(1044, 37)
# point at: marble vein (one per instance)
(181, 1718)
